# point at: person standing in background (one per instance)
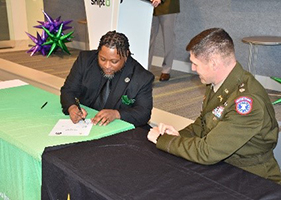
(164, 15)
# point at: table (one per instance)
(128, 166)
(259, 40)
(24, 134)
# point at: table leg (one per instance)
(250, 57)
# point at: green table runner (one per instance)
(24, 134)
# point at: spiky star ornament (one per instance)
(58, 40)
(39, 47)
(52, 36)
(53, 24)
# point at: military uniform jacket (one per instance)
(167, 7)
(85, 81)
(237, 125)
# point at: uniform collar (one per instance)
(231, 83)
(217, 86)
(234, 79)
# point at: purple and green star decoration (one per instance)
(52, 36)
(39, 47)
(57, 40)
(53, 25)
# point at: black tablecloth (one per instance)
(128, 166)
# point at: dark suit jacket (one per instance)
(84, 82)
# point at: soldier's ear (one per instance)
(214, 63)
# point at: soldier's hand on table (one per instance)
(153, 134)
(170, 130)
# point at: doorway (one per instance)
(5, 41)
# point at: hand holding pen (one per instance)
(75, 114)
(79, 107)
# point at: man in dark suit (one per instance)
(109, 80)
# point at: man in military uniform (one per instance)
(237, 122)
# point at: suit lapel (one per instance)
(96, 82)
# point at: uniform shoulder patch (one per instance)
(243, 105)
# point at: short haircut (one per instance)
(119, 41)
(211, 41)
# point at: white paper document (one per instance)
(65, 127)
(12, 83)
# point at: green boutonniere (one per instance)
(126, 100)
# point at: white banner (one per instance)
(131, 17)
(102, 16)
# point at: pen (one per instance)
(44, 104)
(78, 105)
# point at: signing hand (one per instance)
(75, 114)
(105, 116)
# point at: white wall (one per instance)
(33, 14)
(22, 15)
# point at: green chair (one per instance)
(279, 81)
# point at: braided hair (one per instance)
(113, 39)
